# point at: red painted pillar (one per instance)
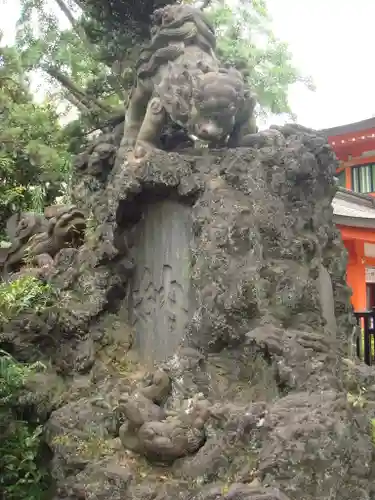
(348, 177)
(356, 274)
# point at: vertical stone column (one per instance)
(160, 291)
(327, 301)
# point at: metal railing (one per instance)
(366, 338)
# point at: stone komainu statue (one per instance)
(33, 235)
(180, 81)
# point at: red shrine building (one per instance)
(354, 205)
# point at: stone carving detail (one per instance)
(161, 435)
(151, 299)
(160, 291)
(327, 301)
(179, 80)
(36, 239)
(98, 158)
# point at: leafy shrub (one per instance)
(21, 477)
(23, 294)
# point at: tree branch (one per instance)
(76, 102)
(80, 32)
(65, 9)
(66, 82)
(80, 4)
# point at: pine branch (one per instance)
(67, 83)
(117, 117)
(76, 102)
(91, 49)
(80, 32)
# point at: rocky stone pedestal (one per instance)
(237, 282)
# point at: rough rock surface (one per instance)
(253, 405)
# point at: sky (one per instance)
(330, 40)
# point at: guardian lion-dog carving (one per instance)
(179, 80)
(34, 235)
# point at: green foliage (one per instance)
(21, 477)
(246, 40)
(33, 149)
(93, 67)
(71, 64)
(25, 293)
(13, 376)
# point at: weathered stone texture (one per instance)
(249, 401)
(160, 288)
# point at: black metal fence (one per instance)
(366, 337)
